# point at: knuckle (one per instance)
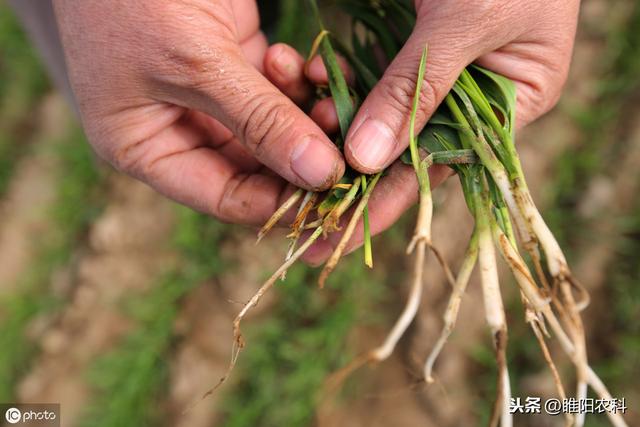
(542, 93)
(128, 158)
(230, 207)
(400, 92)
(265, 120)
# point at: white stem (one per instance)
(493, 305)
(423, 223)
(520, 271)
(556, 261)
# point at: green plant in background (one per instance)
(77, 204)
(600, 145)
(605, 126)
(296, 348)
(130, 380)
(22, 84)
(24, 79)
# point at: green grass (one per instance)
(130, 381)
(600, 123)
(603, 124)
(24, 79)
(22, 83)
(619, 345)
(76, 205)
(293, 350)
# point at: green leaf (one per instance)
(500, 91)
(338, 87)
(363, 63)
(337, 83)
(367, 15)
(413, 141)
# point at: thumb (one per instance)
(380, 131)
(270, 125)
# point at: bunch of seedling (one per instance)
(473, 133)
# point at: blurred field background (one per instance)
(118, 304)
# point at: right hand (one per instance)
(171, 93)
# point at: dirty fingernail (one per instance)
(316, 163)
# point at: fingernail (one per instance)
(314, 162)
(285, 64)
(372, 144)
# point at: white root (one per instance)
(559, 270)
(269, 283)
(382, 352)
(533, 322)
(592, 378)
(453, 307)
(576, 330)
(238, 342)
(421, 239)
(408, 314)
(541, 305)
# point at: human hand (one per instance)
(171, 93)
(529, 42)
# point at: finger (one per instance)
(254, 50)
(178, 163)
(247, 18)
(395, 194)
(379, 133)
(269, 124)
(284, 67)
(325, 115)
(316, 72)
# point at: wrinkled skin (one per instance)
(172, 93)
(187, 96)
